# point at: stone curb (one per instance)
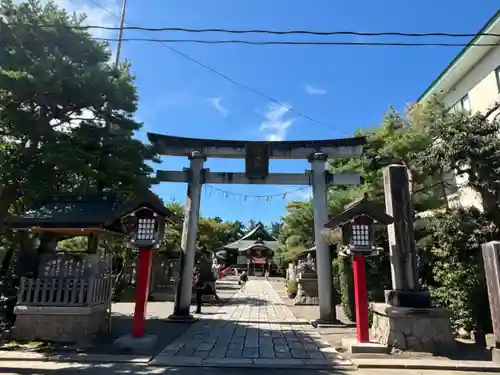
(406, 364)
(250, 363)
(91, 358)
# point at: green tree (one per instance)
(274, 229)
(468, 145)
(57, 92)
(213, 233)
(451, 246)
(173, 228)
(399, 138)
(252, 224)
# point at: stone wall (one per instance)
(423, 330)
(59, 324)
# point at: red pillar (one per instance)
(141, 292)
(361, 298)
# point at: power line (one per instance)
(227, 78)
(301, 43)
(277, 32)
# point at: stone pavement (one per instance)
(254, 329)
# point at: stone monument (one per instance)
(307, 280)
(491, 261)
(407, 320)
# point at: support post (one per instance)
(361, 298)
(405, 286)
(188, 241)
(327, 313)
(141, 292)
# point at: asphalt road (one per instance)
(48, 368)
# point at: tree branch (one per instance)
(491, 110)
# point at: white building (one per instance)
(471, 82)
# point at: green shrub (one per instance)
(451, 248)
(345, 282)
(291, 288)
(378, 279)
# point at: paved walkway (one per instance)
(254, 328)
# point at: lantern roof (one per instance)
(360, 207)
(82, 213)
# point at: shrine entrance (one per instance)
(257, 156)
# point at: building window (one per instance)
(464, 103)
(497, 76)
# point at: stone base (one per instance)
(495, 355)
(59, 324)
(413, 299)
(135, 345)
(307, 292)
(355, 347)
(422, 330)
(305, 300)
(188, 319)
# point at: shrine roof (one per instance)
(258, 236)
(94, 210)
(243, 245)
(362, 206)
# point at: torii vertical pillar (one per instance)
(327, 313)
(188, 242)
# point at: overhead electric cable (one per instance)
(227, 78)
(301, 43)
(280, 32)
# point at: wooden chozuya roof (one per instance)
(84, 213)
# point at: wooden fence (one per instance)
(64, 292)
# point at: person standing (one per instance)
(243, 280)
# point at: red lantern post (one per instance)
(361, 298)
(142, 292)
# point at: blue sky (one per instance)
(344, 87)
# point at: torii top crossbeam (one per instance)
(181, 146)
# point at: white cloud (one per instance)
(314, 90)
(216, 103)
(275, 126)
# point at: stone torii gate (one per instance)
(257, 156)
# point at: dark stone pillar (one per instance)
(406, 290)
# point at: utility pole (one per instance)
(120, 33)
(100, 184)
